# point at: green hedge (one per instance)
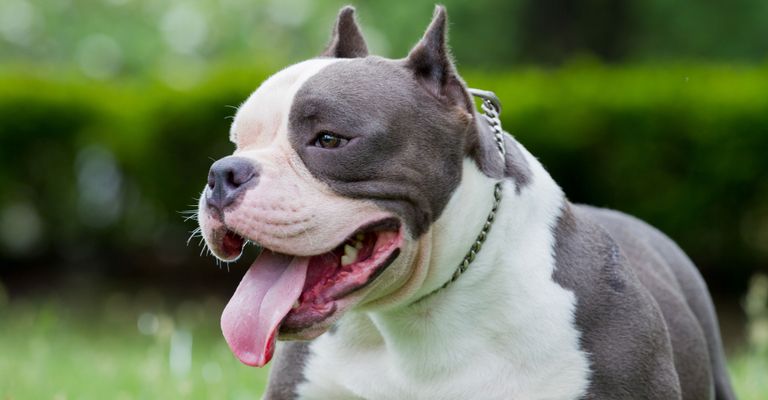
(684, 147)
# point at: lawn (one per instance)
(123, 348)
(142, 347)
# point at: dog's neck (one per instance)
(523, 226)
(521, 211)
(453, 234)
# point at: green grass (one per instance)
(50, 350)
(60, 349)
(749, 372)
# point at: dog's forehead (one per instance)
(259, 119)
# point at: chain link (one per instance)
(491, 110)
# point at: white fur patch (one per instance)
(263, 117)
(504, 330)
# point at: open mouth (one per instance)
(282, 293)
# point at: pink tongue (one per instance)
(265, 295)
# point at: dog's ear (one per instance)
(431, 62)
(346, 40)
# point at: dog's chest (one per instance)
(521, 347)
(469, 365)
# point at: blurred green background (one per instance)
(111, 112)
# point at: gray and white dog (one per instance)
(370, 184)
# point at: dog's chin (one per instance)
(300, 297)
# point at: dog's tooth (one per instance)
(350, 255)
(360, 237)
(295, 304)
(358, 245)
(345, 260)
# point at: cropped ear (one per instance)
(431, 62)
(346, 40)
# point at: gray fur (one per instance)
(432, 65)
(405, 146)
(483, 149)
(410, 124)
(642, 242)
(515, 165)
(287, 370)
(647, 336)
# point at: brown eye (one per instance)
(328, 140)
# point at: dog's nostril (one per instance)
(240, 176)
(235, 180)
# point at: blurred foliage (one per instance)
(94, 171)
(176, 40)
(748, 372)
(756, 306)
(750, 368)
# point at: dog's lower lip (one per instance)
(295, 323)
(329, 281)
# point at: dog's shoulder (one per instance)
(653, 254)
(621, 325)
(587, 256)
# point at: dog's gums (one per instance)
(281, 293)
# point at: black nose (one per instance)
(228, 179)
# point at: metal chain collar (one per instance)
(491, 107)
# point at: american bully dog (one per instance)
(411, 250)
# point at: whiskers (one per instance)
(192, 215)
(231, 117)
(197, 233)
(189, 215)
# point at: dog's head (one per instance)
(342, 164)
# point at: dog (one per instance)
(412, 251)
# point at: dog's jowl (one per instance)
(411, 253)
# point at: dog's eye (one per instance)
(328, 140)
